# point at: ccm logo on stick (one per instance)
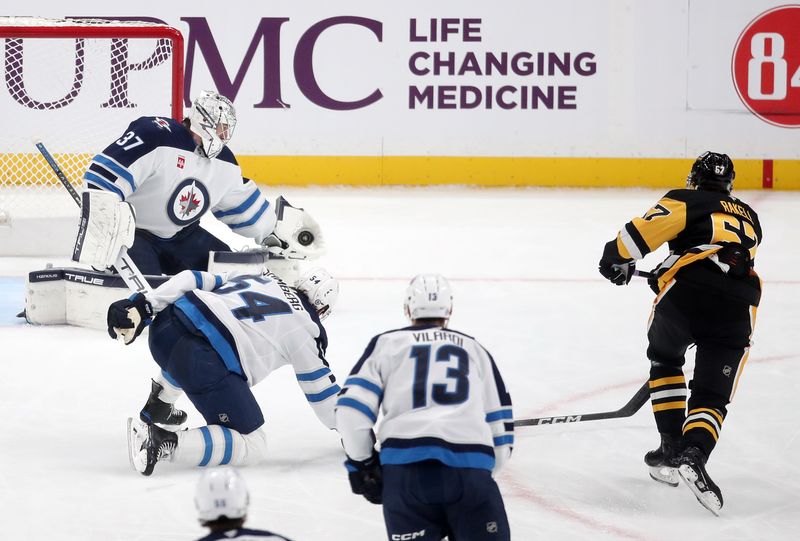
(556, 420)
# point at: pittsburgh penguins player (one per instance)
(707, 294)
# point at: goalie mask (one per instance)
(321, 289)
(713, 172)
(221, 492)
(213, 119)
(429, 296)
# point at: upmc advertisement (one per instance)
(610, 80)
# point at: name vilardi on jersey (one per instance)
(437, 336)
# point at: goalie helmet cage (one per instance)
(75, 84)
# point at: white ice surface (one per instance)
(523, 266)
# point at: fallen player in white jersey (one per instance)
(214, 338)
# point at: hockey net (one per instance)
(74, 84)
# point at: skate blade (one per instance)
(665, 475)
(135, 439)
(172, 428)
(706, 498)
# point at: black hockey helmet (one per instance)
(712, 171)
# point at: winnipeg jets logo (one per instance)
(189, 201)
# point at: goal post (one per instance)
(75, 84)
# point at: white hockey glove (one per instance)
(296, 235)
(107, 226)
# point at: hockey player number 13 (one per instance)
(439, 392)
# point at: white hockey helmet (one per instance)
(429, 296)
(213, 119)
(221, 492)
(320, 288)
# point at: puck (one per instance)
(305, 238)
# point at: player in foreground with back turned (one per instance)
(446, 425)
(222, 500)
(171, 173)
(214, 339)
(708, 292)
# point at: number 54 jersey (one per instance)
(441, 396)
(256, 324)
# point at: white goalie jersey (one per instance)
(155, 168)
(441, 397)
(256, 324)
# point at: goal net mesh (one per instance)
(75, 85)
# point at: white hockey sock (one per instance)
(170, 392)
(216, 445)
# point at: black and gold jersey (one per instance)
(695, 223)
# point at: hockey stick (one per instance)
(126, 268)
(633, 405)
(644, 274)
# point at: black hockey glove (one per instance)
(128, 318)
(616, 270)
(366, 478)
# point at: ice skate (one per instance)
(148, 444)
(161, 413)
(659, 461)
(691, 466)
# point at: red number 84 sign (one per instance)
(766, 66)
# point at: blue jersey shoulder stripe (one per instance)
(103, 184)
(240, 209)
(252, 220)
(116, 168)
(207, 323)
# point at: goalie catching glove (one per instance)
(107, 226)
(128, 318)
(296, 235)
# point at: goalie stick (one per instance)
(126, 268)
(634, 404)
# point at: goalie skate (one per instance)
(148, 444)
